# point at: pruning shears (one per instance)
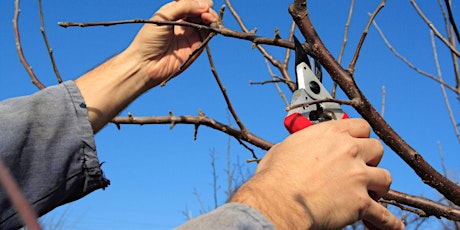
(308, 106)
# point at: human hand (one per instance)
(163, 49)
(319, 178)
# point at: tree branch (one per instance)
(45, 38)
(351, 67)
(432, 27)
(424, 170)
(408, 63)
(23, 60)
(429, 207)
(196, 120)
(220, 29)
(282, 68)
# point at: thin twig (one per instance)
(224, 92)
(345, 34)
(451, 30)
(441, 154)
(354, 102)
(344, 43)
(275, 80)
(429, 207)
(351, 67)
(433, 28)
(16, 197)
(452, 20)
(408, 63)
(187, 62)
(276, 63)
(23, 60)
(444, 93)
(45, 38)
(384, 93)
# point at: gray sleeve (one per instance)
(229, 216)
(47, 143)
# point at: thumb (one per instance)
(181, 9)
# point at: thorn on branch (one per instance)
(195, 133)
(173, 123)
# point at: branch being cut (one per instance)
(423, 169)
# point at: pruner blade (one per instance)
(300, 53)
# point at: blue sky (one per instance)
(154, 170)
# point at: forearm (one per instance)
(112, 86)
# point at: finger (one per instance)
(180, 9)
(357, 127)
(379, 217)
(379, 181)
(371, 151)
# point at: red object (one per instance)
(296, 122)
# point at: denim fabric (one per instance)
(229, 216)
(47, 142)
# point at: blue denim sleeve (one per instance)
(47, 142)
(229, 216)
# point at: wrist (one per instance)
(283, 210)
(110, 87)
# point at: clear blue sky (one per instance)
(154, 170)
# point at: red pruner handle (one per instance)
(296, 122)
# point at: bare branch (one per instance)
(23, 60)
(187, 62)
(444, 94)
(384, 93)
(429, 207)
(344, 43)
(452, 20)
(345, 34)
(275, 79)
(433, 28)
(202, 119)
(220, 29)
(423, 169)
(351, 67)
(408, 63)
(282, 68)
(45, 38)
(354, 102)
(224, 92)
(18, 200)
(288, 51)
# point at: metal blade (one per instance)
(300, 53)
